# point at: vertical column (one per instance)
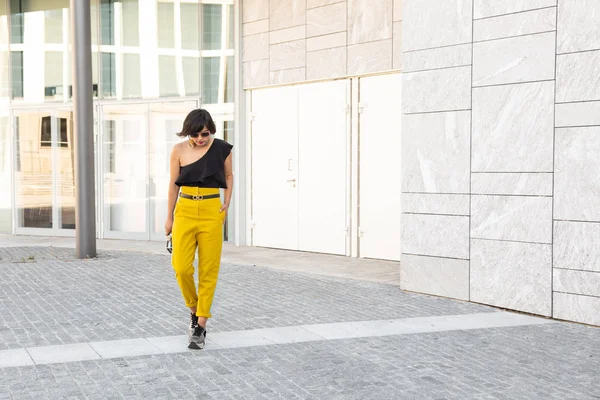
(512, 155)
(577, 163)
(83, 123)
(436, 128)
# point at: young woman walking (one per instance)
(199, 167)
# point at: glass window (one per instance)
(107, 22)
(131, 24)
(167, 76)
(190, 34)
(191, 75)
(230, 80)
(212, 17)
(210, 80)
(53, 26)
(132, 81)
(53, 75)
(231, 26)
(166, 22)
(17, 74)
(109, 84)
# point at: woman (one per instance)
(199, 167)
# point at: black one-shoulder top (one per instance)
(209, 170)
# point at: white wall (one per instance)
(287, 41)
(501, 142)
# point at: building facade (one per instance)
(153, 62)
(460, 138)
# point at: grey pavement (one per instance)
(49, 298)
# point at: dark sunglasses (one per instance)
(203, 134)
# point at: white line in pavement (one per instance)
(262, 337)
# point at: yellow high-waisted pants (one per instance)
(198, 224)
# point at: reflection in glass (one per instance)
(167, 76)
(212, 17)
(125, 170)
(132, 81)
(65, 174)
(109, 75)
(131, 25)
(229, 81)
(53, 76)
(165, 25)
(191, 75)
(210, 79)
(190, 33)
(33, 172)
(166, 120)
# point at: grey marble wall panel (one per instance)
(255, 10)
(398, 56)
(439, 90)
(435, 235)
(505, 26)
(578, 77)
(577, 174)
(329, 63)
(517, 218)
(513, 128)
(577, 245)
(398, 10)
(288, 35)
(514, 60)
(434, 203)
(578, 114)
(288, 55)
(442, 57)
(288, 76)
(528, 184)
(512, 275)
(256, 27)
(577, 308)
(370, 57)
(578, 22)
(320, 3)
(287, 13)
(434, 23)
(325, 20)
(586, 283)
(438, 276)
(490, 8)
(326, 42)
(369, 20)
(255, 47)
(436, 152)
(256, 73)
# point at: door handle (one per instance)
(291, 180)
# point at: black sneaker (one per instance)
(198, 338)
(193, 324)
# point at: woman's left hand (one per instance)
(224, 209)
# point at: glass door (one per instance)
(44, 172)
(166, 120)
(125, 172)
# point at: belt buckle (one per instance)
(199, 197)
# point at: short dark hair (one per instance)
(197, 120)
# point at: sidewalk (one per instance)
(342, 267)
(114, 327)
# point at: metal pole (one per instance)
(85, 211)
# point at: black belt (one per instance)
(199, 197)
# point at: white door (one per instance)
(379, 167)
(274, 168)
(323, 165)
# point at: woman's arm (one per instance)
(229, 181)
(174, 168)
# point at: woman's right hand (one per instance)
(168, 226)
